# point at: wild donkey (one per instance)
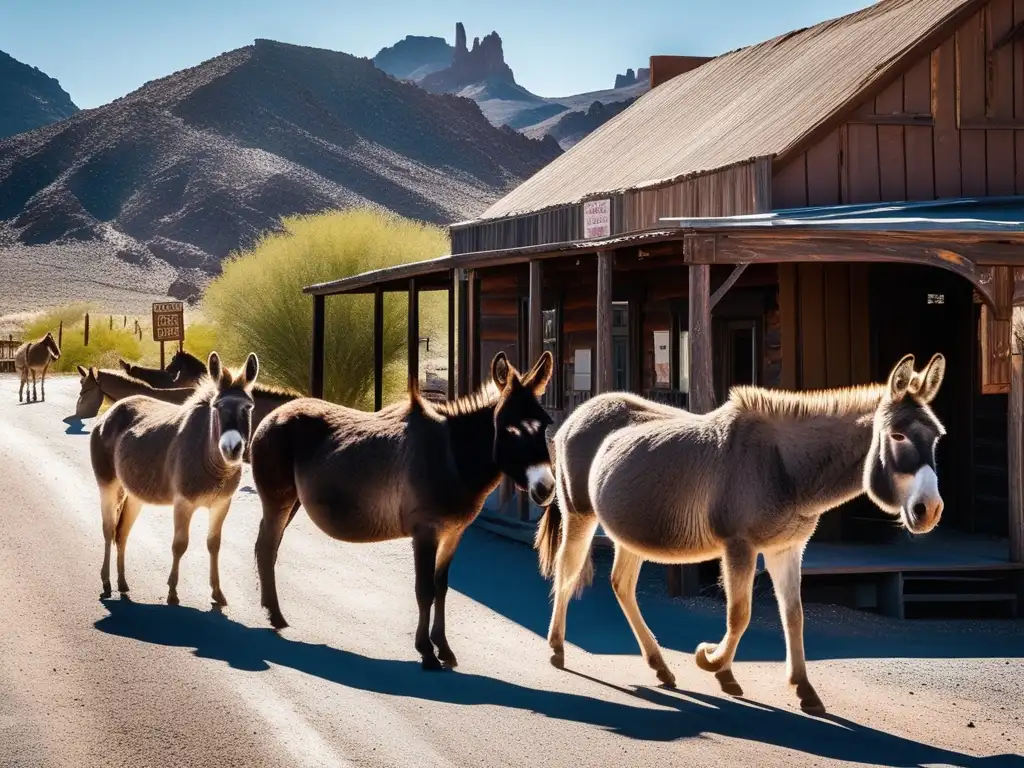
(752, 476)
(35, 357)
(413, 469)
(184, 370)
(147, 451)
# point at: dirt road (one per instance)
(138, 683)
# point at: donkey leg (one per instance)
(110, 504)
(130, 510)
(424, 551)
(218, 513)
(42, 382)
(183, 510)
(784, 568)
(625, 572)
(276, 517)
(738, 564)
(21, 387)
(445, 552)
(35, 397)
(573, 553)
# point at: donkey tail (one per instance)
(548, 539)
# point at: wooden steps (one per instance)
(915, 595)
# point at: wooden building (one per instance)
(798, 213)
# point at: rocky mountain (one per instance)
(481, 73)
(29, 98)
(415, 57)
(172, 177)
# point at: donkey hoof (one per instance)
(666, 677)
(448, 658)
(558, 659)
(813, 708)
(700, 656)
(809, 701)
(106, 591)
(277, 621)
(727, 682)
(431, 664)
(219, 599)
(122, 586)
(172, 598)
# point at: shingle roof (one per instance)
(753, 102)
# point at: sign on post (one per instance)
(168, 321)
(597, 219)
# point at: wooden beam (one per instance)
(414, 332)
(316, 363)
(473, 329)
(673, 350)
(452, 375)
(729, 283)
(536, 309)
(378, 349)
(1015, 423)
(462, 300)
(702, 392)
(604, 321)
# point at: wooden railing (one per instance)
(8, 347)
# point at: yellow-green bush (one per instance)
(257, 304)
(107, 344)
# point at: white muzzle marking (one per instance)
(924, 489)
(541, 483)
(230, 443)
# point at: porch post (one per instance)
(452, 284)
(316, 363)
(378, 348)
(673, 351)
(1015, 426)
(536, 324)
(604, 322)
(463, 330)
(414, 332)
(685, 580)
(473, 329)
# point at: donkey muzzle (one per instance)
(923, 506)
(232, 444)
(541, 484)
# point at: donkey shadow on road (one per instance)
(679, 715)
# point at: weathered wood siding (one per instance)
(743, 188)
(951, 125)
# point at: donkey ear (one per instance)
(252, 368)
(901, 377)
(213, 366)
(930, 379)
(501, 370)
(125, 365)
(82, 372)
(539, 376)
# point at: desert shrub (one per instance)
(257, 304)
(107, 344)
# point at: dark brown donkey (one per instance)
(184, 370)
(35, 357)
(412, 469)
(147, 451)
(754, 475)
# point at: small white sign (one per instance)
(581, 370)
(597, 219)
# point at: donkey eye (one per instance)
(897, 437)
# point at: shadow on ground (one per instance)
(679, 715)
(75, 426)
(596, 623)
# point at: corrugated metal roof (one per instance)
(756, 101)
(968, 214)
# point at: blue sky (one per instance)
(102, 49)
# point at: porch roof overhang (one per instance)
(969, 236)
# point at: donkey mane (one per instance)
(785, 404)
(474, 402)
(271, 390)
(127, 377)
(208, 388)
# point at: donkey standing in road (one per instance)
(754, 475)
(35, 357)
(414, 469)
(147, 451)
(184, 370)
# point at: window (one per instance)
(663, 363)
(550, 326)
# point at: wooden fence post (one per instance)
(87, 329)
(125, 325)
(60, 335)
